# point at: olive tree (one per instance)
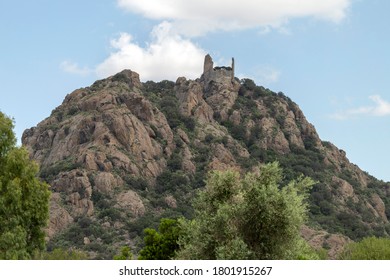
(23, 199)
(249, 217)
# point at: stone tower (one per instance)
(208, 64)
(216, 74)
(232, 68)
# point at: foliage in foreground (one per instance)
(370, 248)
(161, 244)
(62, 254)
(24, 200)
(125, 254)
(248, 218)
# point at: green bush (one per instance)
(136, 183)
(161, 244)
(63, 254)
(48, 173)
(175, 162)
(370, 248)
(125, 254)
(170, 181)
(112, 213)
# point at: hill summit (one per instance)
(121, 154)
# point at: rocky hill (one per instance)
(121, 154)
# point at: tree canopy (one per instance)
(124, 255)
(161, 244)
(24, 200)
(250, 217)
(62, 254)
(370, 248)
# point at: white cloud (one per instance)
(74, 68)
(262, 75)
(170, 53)
(168, 56)
(267, 75)
(193, 18)
(379, 109)
(382, 107)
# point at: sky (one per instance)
(330, 57)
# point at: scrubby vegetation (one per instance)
(370, 248)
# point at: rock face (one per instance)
(334, 243)
(379, 206)
(130, 200)
(59, 217)
(121, 154)
(97, 137)
(190, 96)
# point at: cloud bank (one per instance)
(168, 56)
(194, 18)
(267, 75)
(379, 109)
(171, 51)
(74, 68)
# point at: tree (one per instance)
(62, 254)
(370, 248)
(161, 244)
(125, 254)
(24, 200)
(247, 218)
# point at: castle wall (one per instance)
(221, 75)
(217, 74)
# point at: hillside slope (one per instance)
(121, 154)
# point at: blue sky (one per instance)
(331, 57)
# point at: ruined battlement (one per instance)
(217, 74)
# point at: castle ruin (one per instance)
(217, 74)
